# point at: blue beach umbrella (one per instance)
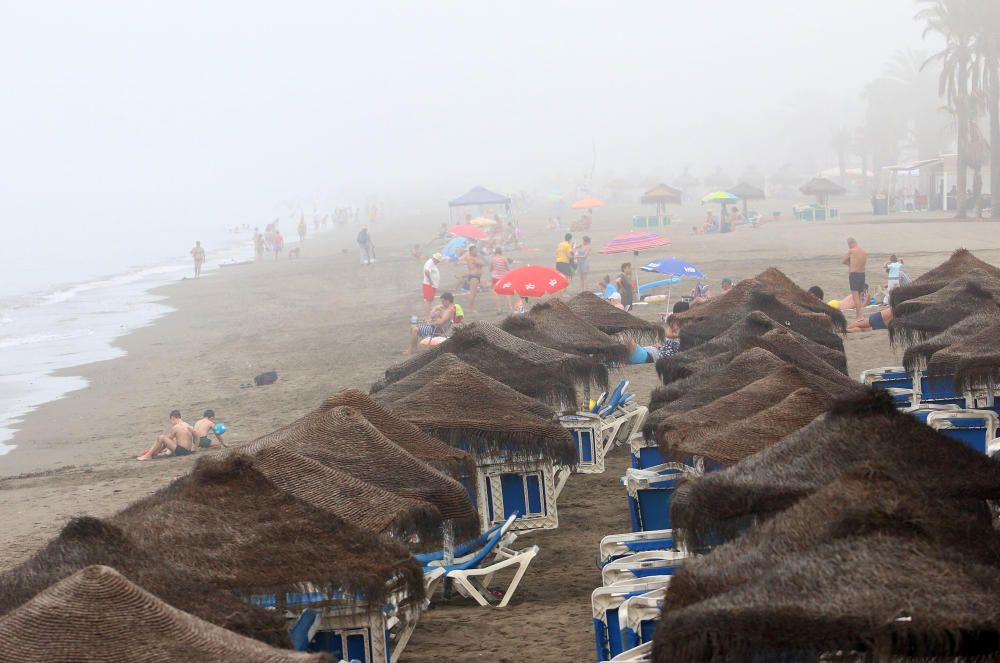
(675, 269)
(452, 247)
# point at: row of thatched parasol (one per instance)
(841, 526)
(334, 503)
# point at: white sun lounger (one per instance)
(639, 566)
(615, 546)
(605, 604)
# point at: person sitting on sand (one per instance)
(727, 285)
(179, 440)
(615, 299)
(816, 292)
(874, 322)
(205, 426)
(701, 293)
(439, 323)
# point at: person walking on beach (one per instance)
(205, 427)
(258, 244)
(302, 229)
(198, 253)
(894, 268)
(179, 440)
(279, 243)
(564, 256)
(365, 246)
(475, 264)
(582, 256)
(432, 277)
(856, 261)
(625, 286)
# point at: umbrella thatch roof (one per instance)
(87, 541)
(772, 281)
(718, 179)
(918, 355)
(342, 439)
(246, 535)
(814, 326)
(960, 263)
(857, 429)
(921, 317)
(821, 186)
(872, 598)
(728, 439)
(555, 325)
(612, 320)
(747, 191)
(97, 614)
(974, 361)
(864, 500)
(460, 404)
(661, 193)
(362, 504)
(787, 344)
(534, 370)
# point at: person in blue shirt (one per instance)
(894, 268)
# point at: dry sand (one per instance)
(326, 322)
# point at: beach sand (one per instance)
(326, 322)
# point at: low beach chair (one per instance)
(637, 618)
(976, 428)
(642, 565)
(650, 491)
(473, 572)
(616, 546)
(605, 605)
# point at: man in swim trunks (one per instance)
(475, 265)
(856, 261)
(198, 253)
(203, 428)
(438, 324)
(179, 440)
(874, 322)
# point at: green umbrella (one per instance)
(723, 198)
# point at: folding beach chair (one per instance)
(471, 571)
(637, 618)
(642, 565)
(650, 491)
(605, 605)
(616, 546)
(976, 428)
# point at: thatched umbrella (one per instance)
(460, 404)
(661, 195)
(814, 326)
(97, 614)
(686, 180)
(871, 598)
(86, 541)
(554, 325)
(771, 280)
(746, 191)
(822, 188)
(958, 264)
(718, 180)
(248, 536)
(342, 439)
(857, 429)
(534, 370)
(918, 355)
(974, 361)
(729, 439)
(864, 500)
(921, 317)
(612, 320)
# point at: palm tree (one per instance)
(958, 22)
(986, 81)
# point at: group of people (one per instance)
(183, 439)
(269, 240)
(573, 258)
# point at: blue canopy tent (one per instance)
(480, 197)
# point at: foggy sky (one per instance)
(191, 112)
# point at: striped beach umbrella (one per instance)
(633, 242)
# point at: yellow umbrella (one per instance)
(483, 221)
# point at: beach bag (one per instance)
(266, 378)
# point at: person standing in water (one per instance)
(198, 253)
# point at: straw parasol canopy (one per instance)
(857, 429)
(921, 317)
(97, 614)
(813, 326)
(864, 500)
(614, 321)
(872, 598)
(974, 361)
(746, 191)
(918, 355)
(534, 370)
(342, 439)
(771, 280)
(554, 325)
(661, 194)
(822, 188)
(86, 541)
(456, 402)
(960, 263)
(246, 535)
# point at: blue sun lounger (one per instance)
(650, 491)
(637, 618)
(639, 566)
(641, 654)
(472, 568)
(976, 428)
(613, 419)
(605, 605)
(616, 546)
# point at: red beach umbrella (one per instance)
(634, 242)
(468, 231)
(531, 281)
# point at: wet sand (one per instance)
(326, 322)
